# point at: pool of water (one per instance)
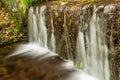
(4, 51)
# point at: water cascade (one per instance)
(92, 47)
(91, 53)
(52, 35)
(37, 26)
(66, 37)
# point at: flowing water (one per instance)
(52, 35)
(94, 53)
(66, 37)
(91, 47)
(37, 26)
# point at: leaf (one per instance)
(2, 23)
(53, 58)
(8, 29)
(2, 37)
(59, 19)
(81, 65)
(3, 71)
(15, 39)
(64, 25)
(19, 62)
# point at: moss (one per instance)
(2, 38)
(18, 22)
(2, 22)
(11, 29)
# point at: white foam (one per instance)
(80, 75)
(32, 49)
(68, 64)
(91, 46)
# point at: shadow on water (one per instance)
(4, 51)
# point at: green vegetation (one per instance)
(25, 3)
(10, 27)
(2, 38)
(81, 65)
(30, 2)
(2, 22)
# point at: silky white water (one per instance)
(91, 47)
(52, 35)
(66, 38)
(37, 26)
(35, 51)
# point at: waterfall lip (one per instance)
(109, 8)
(99, 7)
(63, 3)
(85, 7)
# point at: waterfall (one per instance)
(81, 53)
(92, 50)
(37, 26)
(66, 37)
(52, 47)
(91, 47)
(38, 29)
